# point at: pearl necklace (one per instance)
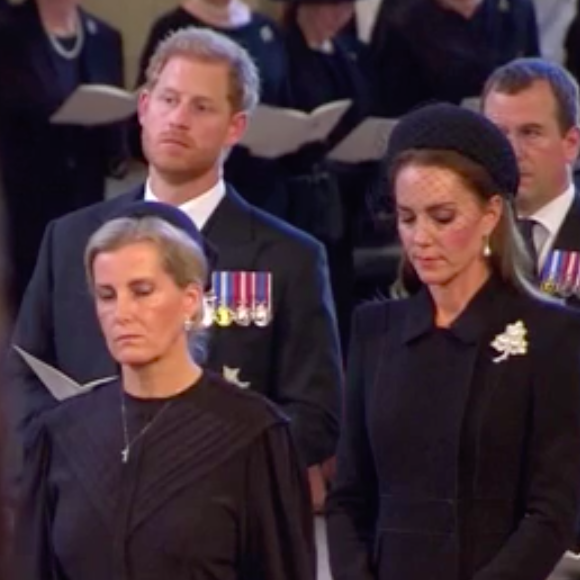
(72, 53)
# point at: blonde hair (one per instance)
(181, 258)
(212, 47)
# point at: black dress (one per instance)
(212, 490)
(260, 181)
(459, 456)
(425, 52)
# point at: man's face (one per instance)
(187, 119)
(545, 153)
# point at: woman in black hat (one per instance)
(169, 471)
(459, 454)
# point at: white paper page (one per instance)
(367, 142)
(60, 386)
(324, 119)
(93, 105)
(273, 131)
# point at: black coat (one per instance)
(49, 170)
(454, 465)
(213, 490)
(295, 360)
(425, 52)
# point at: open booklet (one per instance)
(273, 132)
(367, 142)
(60, 386)
(92, 105)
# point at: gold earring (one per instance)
(486, 247)
(188, 325)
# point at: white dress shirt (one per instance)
(200, 208)
(549, 220)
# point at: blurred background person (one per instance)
(47, 49)
(327, 199)
(445, 49)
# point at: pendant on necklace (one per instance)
(125, 454)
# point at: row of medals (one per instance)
(242, 315)
(565, 287)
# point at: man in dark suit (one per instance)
(48, 49)
(535, 103)
(273, 326)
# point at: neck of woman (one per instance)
(315, 37)
(219, 13)
(162, 378)
(452, 298)
(465, 9)
(59, 16)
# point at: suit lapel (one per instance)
(561, 268)
(568, 237)
(231, 229)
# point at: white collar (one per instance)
(200, 208)
(552, 215)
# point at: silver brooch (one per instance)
(511, 342)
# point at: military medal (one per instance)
(242, 290)
(569, 269)
(549, 283)
(262, 298)
(223, 315)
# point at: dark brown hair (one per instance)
(509, 257)
(520, 74)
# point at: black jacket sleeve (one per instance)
(278, 537)
(309, 376)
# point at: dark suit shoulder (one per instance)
(93, 214)
(235, 404)
(553, 314)
(273, 229)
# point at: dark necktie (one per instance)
(527, 227)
